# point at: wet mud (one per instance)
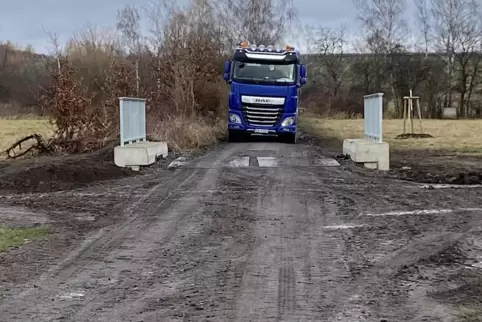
(293, 239)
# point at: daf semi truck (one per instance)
(264, 86)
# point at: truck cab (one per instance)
(263, 97)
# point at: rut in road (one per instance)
(258, 241)
(293, 273)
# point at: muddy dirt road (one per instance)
(248, 232)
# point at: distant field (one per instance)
(463, 136)
(13, 130)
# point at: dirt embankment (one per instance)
(430, 167)
(56, 173)
(72, 195)
(437, 167)
(64, 172)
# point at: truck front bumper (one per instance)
(241, 126)
(262, 130)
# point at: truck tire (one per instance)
(234, 136)
(289, 138)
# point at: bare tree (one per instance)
(4, 53)
(330, 45)
(56, 49)
(458, 31)
(423, 20)
(256, 21)
(308, 40)
(128, 23)
(385, 29)
(385, 18)
(4, 57)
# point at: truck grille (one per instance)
(262, 115)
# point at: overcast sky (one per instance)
(25, 21)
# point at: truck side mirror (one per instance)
(302, 82)
(227, 70)
(303, 71)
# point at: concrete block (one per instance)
(349, 145)
(374, 155)
(371, 165)
(139, 154)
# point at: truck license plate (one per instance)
(261, 131)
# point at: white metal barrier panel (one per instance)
(373, 117)
(132, 120)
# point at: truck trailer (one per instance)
(264, 86)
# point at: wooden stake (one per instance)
(409, 113)
(419, 115)
(405, 106)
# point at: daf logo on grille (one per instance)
(262, 100)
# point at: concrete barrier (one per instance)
(370, 150)
(139, 154)
(134, 150)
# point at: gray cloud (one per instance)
(24, 21)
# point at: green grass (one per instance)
(464, 136)
(10, 237)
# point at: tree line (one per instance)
(177, 63)
(442, 65)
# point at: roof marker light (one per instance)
(253, 47)
(270, 48)
(261, 47)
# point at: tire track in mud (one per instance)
(152, 241)
(123, 253)
(240, 244)
(286, 289)
(293, 273)
(112, 239)
(205, 259)
(97, 245)
(209, 290)
(375, 292)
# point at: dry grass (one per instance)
(470, 314)
(16, 111)
(464, 136)
(188, 134)
(181, 134)
(13, 130)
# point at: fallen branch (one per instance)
(40, 146)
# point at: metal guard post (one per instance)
(132, 113)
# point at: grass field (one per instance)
(464, 136)
(10, 237)
(12, 130)
(181, 134)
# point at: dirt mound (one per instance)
(406, 136)
(429, 176)
(54, 173)
(436, 167)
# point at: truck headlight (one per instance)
(234, 118)
(288, 121)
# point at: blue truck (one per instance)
(264, 86)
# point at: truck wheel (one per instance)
(234, 136)
(289, 138)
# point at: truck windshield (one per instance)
(264, 72)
